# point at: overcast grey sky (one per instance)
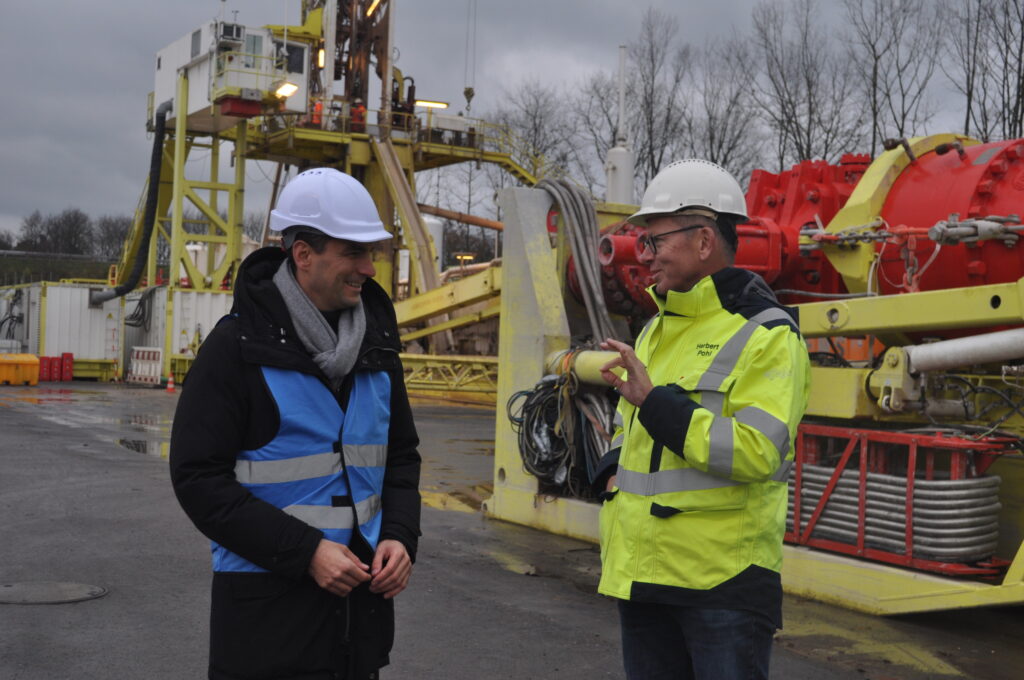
(76, 76)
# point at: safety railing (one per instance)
(457, 133)
(372, 123)
(243, 70)
(483, 136)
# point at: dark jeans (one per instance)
(668, 642)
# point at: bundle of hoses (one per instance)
(581, 227)
(142, 314)
(12, 318)
(562, 432)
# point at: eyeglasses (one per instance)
(648, 242)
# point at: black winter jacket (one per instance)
(281, 624)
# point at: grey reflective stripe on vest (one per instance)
(366, 455)
(668, 481)
(288, 469)
(782, 474)
(618, 439)
(309, 467)
(720, 448)
(771, 427)
(721, 445)
(727, 358)
(713, 401)
(643, 331)
(327, 517)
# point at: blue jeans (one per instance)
(668, 642)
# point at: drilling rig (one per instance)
(907, 492)
(296, 96)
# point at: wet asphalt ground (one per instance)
(85, 500)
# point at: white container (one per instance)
(221, 60)
(194, 314)
(57, 318)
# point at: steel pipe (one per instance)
(977, 349)
(953, 520)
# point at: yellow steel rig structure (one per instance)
(295, 95)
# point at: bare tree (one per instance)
(252, 225)
(595, 108)
(894, 53)
(465, 188)
(659, 66)
(32, 235)
(69, 231)
(6, 240)
(723, 123)
(1006, 18)
(806, 88)
(110, 234)
(538, 119)
(969, 66)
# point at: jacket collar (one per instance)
(707, 295)
(260, 307)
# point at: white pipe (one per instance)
(330, 24)
(620, 130)
(386, 75)
(977, 349)
(620, 163)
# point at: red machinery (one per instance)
(780, 206)
(960, 195)
(905, 486)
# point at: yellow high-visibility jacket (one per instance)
(701, 487)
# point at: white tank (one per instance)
(619, 168)
(435, 227)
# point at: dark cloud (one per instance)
(77, 74)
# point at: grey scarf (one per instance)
(335, 352)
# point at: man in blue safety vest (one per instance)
(695, 499)
(293, 449)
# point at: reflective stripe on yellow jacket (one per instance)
(701, 483)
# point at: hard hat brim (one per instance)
(372, 234)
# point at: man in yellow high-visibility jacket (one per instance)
(695, 507)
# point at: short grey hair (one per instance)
(724, 227)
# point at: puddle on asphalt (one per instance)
(479, 451)
(42, 396)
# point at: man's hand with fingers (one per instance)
(391, 568)
(637, 384)
(336, 569)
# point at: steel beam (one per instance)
(449, 297)
(974, 307)
(490, 311)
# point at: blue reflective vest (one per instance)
(325, 466)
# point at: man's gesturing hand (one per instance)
(391, 568)
(638, 384)
(335, 568)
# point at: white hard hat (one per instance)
(331, 202)
(688, 184)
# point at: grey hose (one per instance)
(581, 226)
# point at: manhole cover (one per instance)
(48, 592)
